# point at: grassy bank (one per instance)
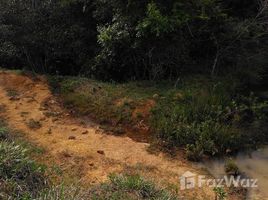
(205, 116)
(22, 178)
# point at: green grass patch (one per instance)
(106, 102)
(129, 188)
(20, 176)
(12, 93)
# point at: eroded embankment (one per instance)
(80, 147)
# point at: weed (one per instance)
(12, 93)
(123, 187)
(231, 168)
(3, 133)
(220, 193)
(33, 124)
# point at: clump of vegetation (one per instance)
(108, 103)
(231, 168)
(220, 193)
(12, 93)
(119, 187)
(33, 124)
(129, 187)
(212, 119)
(20, 177)
(3, 133)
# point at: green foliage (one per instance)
(130, 187)
(129, 40)
(220, 193)
(212, 120)
(62, 192)
(155, 22)
(46, 36)
(3, 133)
(20, 177)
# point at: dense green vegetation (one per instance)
(163, 46)
(192, 72)
(214, 119)
(133, 40)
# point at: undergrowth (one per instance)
(211, 118)
(20, 176)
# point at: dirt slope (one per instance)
(81, 146)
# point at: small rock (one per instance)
(52, 102)
(49, 131)
(14, 98)
(91, 164)
(42, 119)
(100, 152)
(74, 129)
(55, 119)
(66, 154)
(72, 137)
(85, 132)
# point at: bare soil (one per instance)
(80, 147)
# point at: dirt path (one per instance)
(81, 147)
